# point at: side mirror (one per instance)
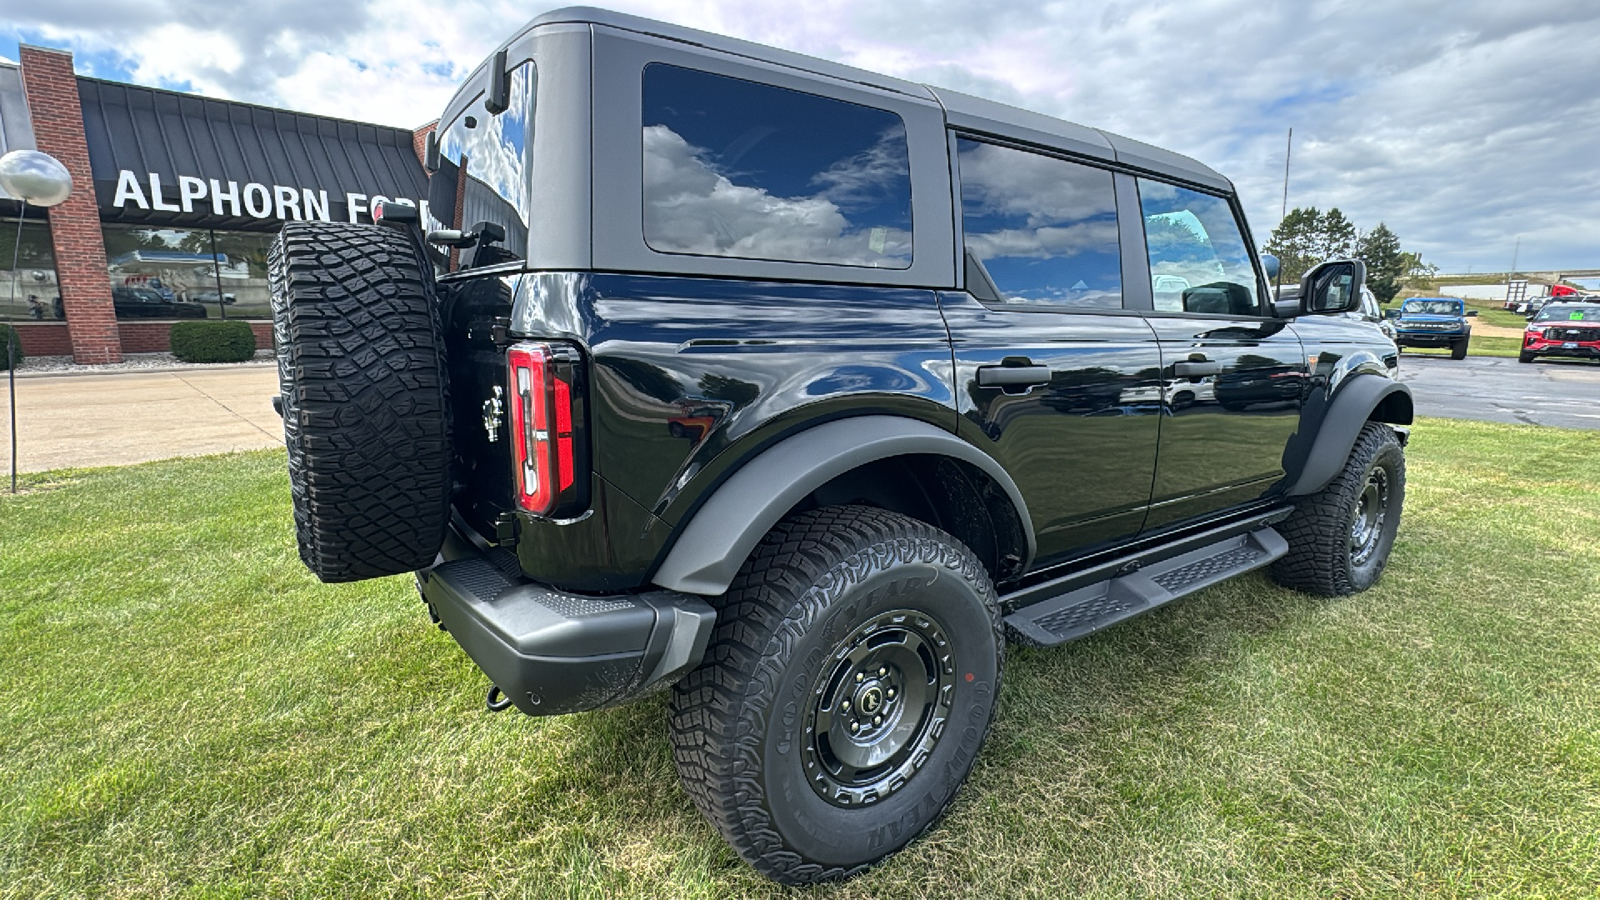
(1333, 287)
(1271, 264)
(1392, 314)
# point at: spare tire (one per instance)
(365, 398)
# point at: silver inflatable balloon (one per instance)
(38, 178)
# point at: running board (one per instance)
(1085, 610)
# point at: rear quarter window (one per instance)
(737, 168)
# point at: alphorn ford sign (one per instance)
(194, 195)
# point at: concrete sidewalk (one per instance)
(118, 418)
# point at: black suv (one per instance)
(799, 389)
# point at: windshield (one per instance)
(1568, 312)
(493, 149)
(1433, 307)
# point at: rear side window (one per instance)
(493, 151)
(742, 169)
(1198, 259)
(1045, 229)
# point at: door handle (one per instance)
(1013, 376)
(1196, 368)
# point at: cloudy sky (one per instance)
(1463, 125)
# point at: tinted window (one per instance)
(1198, 258)
(737, 168)
(494, 151)
(1044, 228)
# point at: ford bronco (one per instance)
(800, 390)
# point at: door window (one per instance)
(1199, 262)
(743, 169)
(1044, 229)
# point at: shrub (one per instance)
(211, 342)
(9, 340)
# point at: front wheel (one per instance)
(1340, 537)
(846, 692)
(1458, 350)
(1524, 357)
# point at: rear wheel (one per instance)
(1340, 537)
(365, 398)
(845, 694)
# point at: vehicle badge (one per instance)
(493, 410)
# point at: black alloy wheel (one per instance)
(1340, 537)
(874, 717)
(845, 694)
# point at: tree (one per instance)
(1418, 274)
(1297, 242)
(1386, 264)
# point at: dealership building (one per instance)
(176, 200)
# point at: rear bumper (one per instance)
(553, 652)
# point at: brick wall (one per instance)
(51, 89)
(42, 338)
(52, 338)
(156, 337)
(419, 141)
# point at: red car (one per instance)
(1563, 329)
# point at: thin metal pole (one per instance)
(1514, 251)
(1288, 148)
(216, 269)
(12, 339)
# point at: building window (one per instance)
(171, 273)
(29, 291)
(748, 170)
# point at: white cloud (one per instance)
(1461, 125)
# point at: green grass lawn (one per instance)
(186, 712)
(1478, 345)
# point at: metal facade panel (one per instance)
(148, 132)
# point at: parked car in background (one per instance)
(211, 297)
(1563, 329)
(1434, 322)
(145, 303)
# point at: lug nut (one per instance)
(845, 706)
(891, 693)
(877, 720)
(860, 677)
(882, 671)
(855, 727)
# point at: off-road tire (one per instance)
(1458, 350)
(1321, 558)
(1524, 357)
(366, 413)
(739, 730)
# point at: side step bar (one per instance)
(1082, 611)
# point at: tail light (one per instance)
(548, 440)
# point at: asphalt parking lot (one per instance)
(1492, 389)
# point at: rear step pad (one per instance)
(1086, 610)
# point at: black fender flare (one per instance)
(1352, 407)
(716, 540)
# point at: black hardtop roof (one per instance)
(961, 110)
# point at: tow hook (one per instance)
(497, 700)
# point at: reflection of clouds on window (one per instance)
(496, 150)
(691, 208)
(741, 169)
(1044, 228)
